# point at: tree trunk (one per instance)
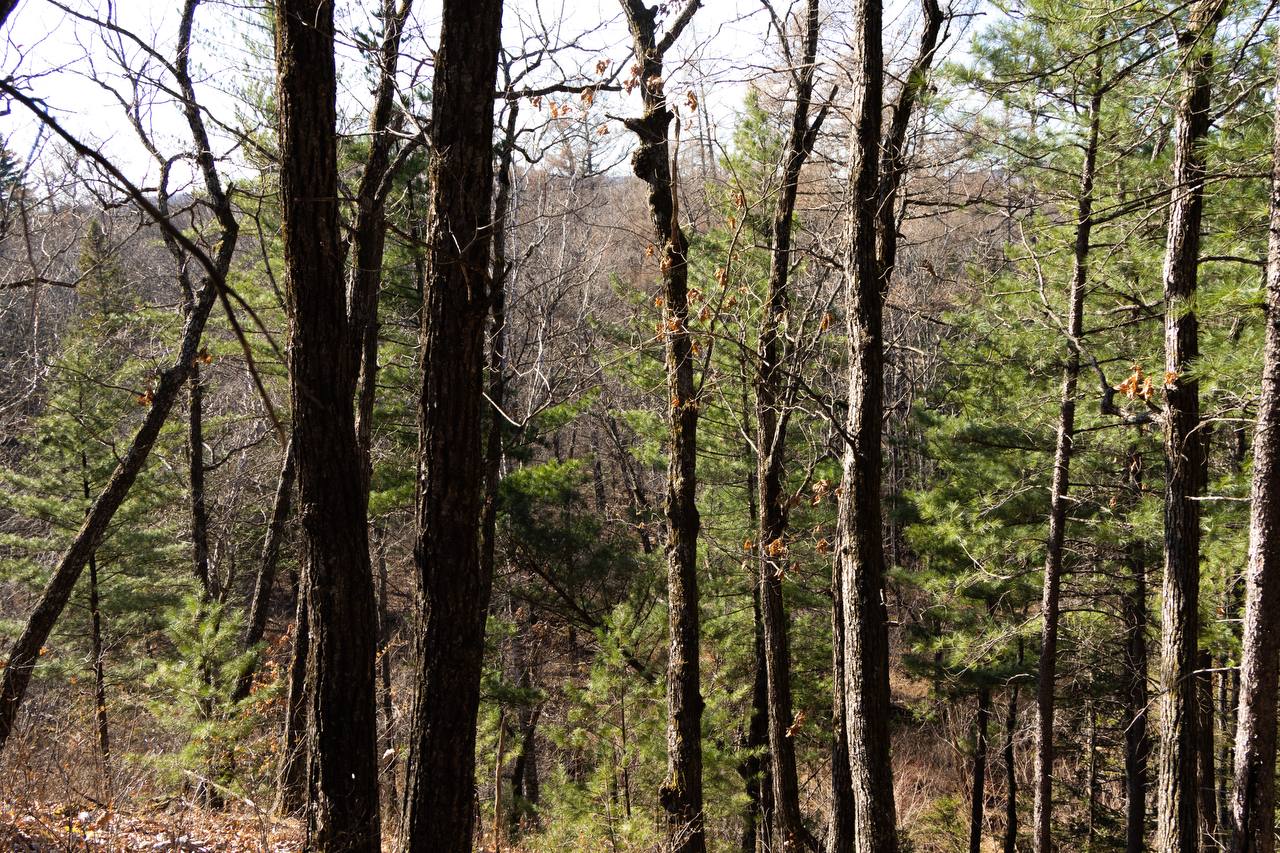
(439, 811)
(1137, 744)
(681, 790)
(773, 411)
(26, 649)
(754, 769)
(199, 513)
(1208, 787)
(859, 530)
(978, 789)
(256, 626)
(1011, 770)
(1049, 606)
(1177, 824)
(369, 231)
(341, 738)
(1253, 795)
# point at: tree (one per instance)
(1177, 823)
(681, 792)
(1253, 795)
(860, 554)
(337, 584)
(454, 591)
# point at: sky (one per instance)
(57, 55)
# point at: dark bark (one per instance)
(681, 791)
(893, 163)
(1049, 606)
(95, 634)
(754, 769)
(369, 230)
(1011, 770)
(341, 738)
(199, 513)
(773, 412)
(859, 532)
(1253, 794)
(1137, 743)
(1177, 822)
(256, 626)
(978, 789)
(454, 589)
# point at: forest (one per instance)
(776, 426)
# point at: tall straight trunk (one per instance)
(754, 769)
(1011, 770)
(454, 588)
(1054, 547)
(95, 635)
(1095, 784)
(268, 562)
(199, 511)
(25, 651)
(1253, 796)
(681, 790)
(1176, 807)
(773, 411)
(859, 527)
(978, 789)
(840, 828)
(341, 737)
(1137, 743)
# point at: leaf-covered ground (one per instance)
(38, 827)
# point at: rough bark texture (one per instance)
(840, 830)
(1049, 604)
(681, 791)
(342, 769)
(1253, 797)
(977, 791)
(1011, 770)
(1176, 824)
(1137, 743)
(859, 528)
(454, 590)
(25, 651)
(773, 410)
(256, 626)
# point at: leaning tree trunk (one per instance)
(1137, 743)
(341, 737)
(859, 530)
(1253, 803)
(773, 411)
(681, 790)
(25, 651)
(1177, 824)
(1049, 606)
(454, 589)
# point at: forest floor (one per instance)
(41, 827)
